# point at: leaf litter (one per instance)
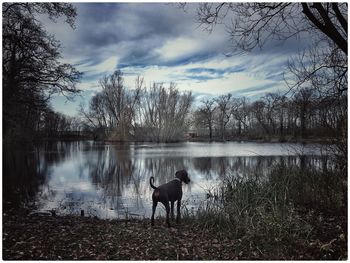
(34, 237)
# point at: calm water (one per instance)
(112, 180)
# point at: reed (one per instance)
(271, 212)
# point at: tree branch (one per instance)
(340, 17)
(328, 28)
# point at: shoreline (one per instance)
(35, 237)
(324, 141)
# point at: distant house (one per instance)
(192, 135)
(198, 132)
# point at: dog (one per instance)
(169, 192)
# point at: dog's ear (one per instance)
(182, 174)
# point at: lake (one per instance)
(111, 180)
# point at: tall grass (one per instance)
(271, 211)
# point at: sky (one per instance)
(163, 43)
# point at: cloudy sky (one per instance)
(163, 43)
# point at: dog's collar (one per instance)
(178, 179)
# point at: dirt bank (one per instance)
(73, 237)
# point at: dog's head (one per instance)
(183, 176)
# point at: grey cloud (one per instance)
(134, 32)
(139, 26)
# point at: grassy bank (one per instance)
(290, 211)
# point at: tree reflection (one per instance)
(26, 171)
(116, 177)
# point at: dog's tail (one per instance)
(151, 181)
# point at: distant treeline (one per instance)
(164, 114)
(303, 115)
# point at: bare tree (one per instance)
(303, 100)
(113, 93)
(240, 112)
(253, 24)
(224, 112)
(324, 68)
(113, 110)
(31, 68)
(164, 112)
(205, 114)
(281, 109)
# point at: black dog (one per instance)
(172, 192)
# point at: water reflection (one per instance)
(112, 180)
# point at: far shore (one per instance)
(307, 140)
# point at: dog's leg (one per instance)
(154, 206)
(178, 211)
(166, 204)
(172, 211)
